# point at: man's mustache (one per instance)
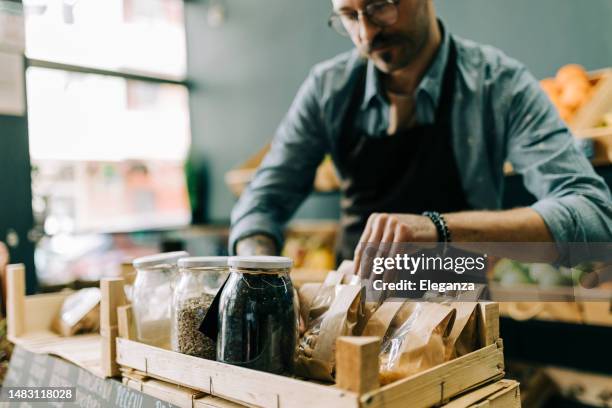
(382, 41)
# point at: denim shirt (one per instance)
(499, 114)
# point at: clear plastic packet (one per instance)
(80, 313)
(418, 344)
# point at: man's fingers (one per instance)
(360, 246)
(372, 234)
(388, 236)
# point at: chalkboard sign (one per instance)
(29, 369)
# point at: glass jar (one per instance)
(199, 281)
(258, 321)
(151, 296)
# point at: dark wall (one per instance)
(15, 192)
(247, 71)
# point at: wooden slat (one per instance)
(230, 382)
(82, 350)
(42, 309)
(489, 325)
(210, 401)
(125, 321)
(438, 384)
(501, 394)
(113, 296)
(174, 394)
(357, 363)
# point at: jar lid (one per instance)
(159, 259)
(203, 262)
(264, 262)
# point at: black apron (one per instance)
(410, 172)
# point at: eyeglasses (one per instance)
(380, 13)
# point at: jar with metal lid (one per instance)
(199, 281)
(258, 321)
(152, 294)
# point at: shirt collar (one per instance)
(431, 84)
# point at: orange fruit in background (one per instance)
(570, 73)
(574, 94)
(551, 87)
(565, 114)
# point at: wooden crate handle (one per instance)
(357, 363)
(15, 302)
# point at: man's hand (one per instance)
(256, 245)
(385, 229)
(516, 225)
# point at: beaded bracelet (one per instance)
(438, 220)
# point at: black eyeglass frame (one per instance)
(344, 32)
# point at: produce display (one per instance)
(310, 251)
(512, 273)
(251, 319)
(569, 90)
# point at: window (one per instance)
(137, 36)
(108, 114)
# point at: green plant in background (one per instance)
(6, 348)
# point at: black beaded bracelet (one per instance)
(440, 224)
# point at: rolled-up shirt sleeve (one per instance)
(286, 174)
(573, 200)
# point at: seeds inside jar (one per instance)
(189, 340)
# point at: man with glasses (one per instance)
(419, 123)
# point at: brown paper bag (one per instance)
(324, 296)
(306, 294)
(463, 338)
(316, 350)
(381, 319)
(420, 343)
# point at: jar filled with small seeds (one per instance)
(258, 321)
(199, 281)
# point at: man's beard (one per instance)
(406, 48)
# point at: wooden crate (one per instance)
(326, 179)
(253, 388)
(175, 394)
(501, 394)
(590, 389)
(592, 112)
(583, 306)
(29, 320)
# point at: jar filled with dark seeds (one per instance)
(258, 321)
(199, 281)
